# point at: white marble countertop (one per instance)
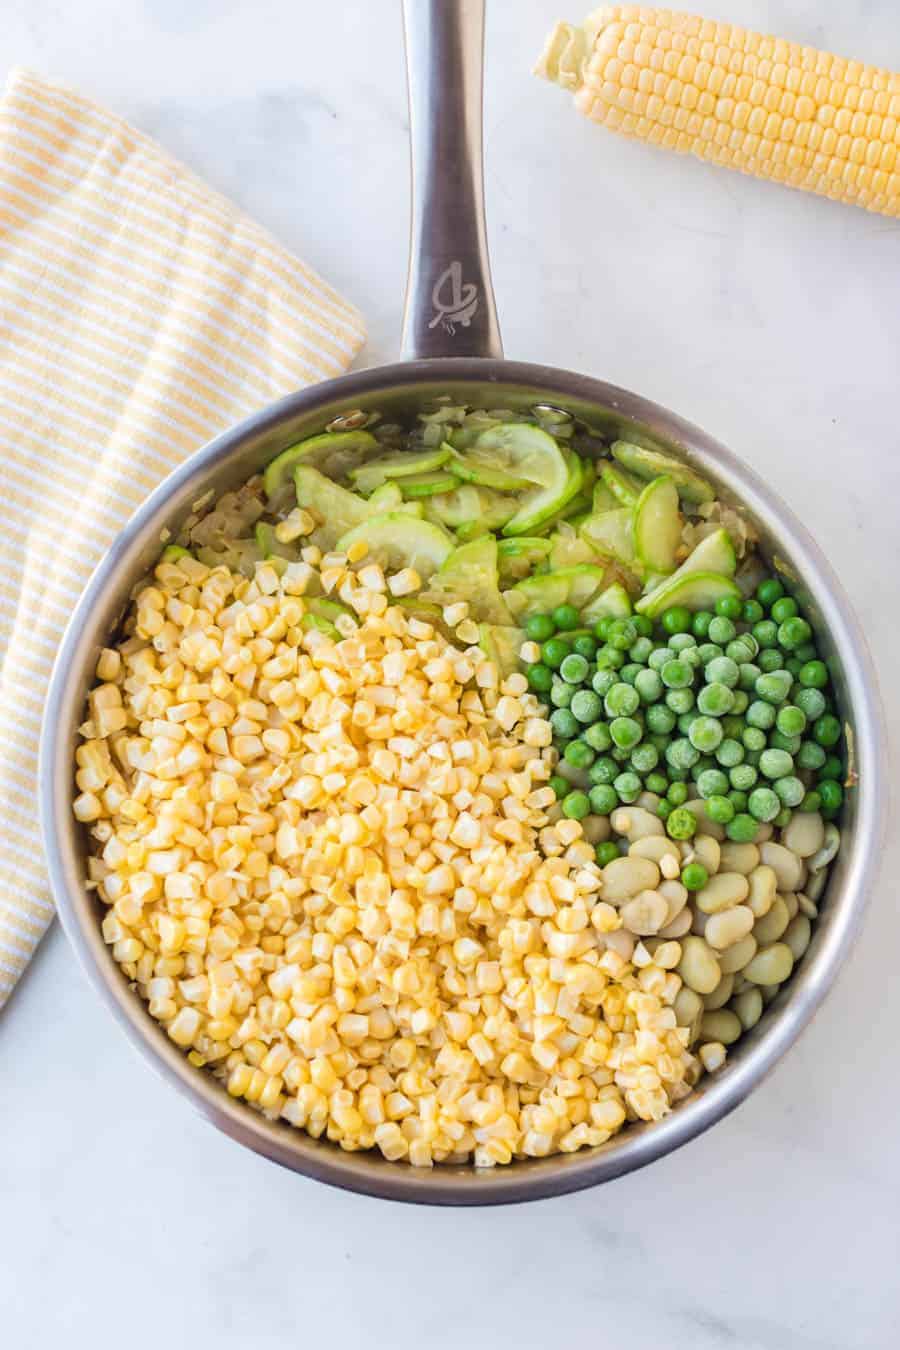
(770, 318)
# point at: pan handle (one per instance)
(449, 309)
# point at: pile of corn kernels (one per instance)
(333, 874)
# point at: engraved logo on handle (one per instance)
(454, 300)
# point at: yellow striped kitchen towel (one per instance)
(140, 314)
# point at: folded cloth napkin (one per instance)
(140, 314)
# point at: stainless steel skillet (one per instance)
(451, 346)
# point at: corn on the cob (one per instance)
(759, 104)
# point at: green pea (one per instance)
(743, 829)
(722, 670)
(749, 674)
(733, 726)
(681, 824)
(741, 702)
(539, 677)
(705, 734)
(766, 633)
(607, 851)
(776, 763)
(603, 681)
(741, 650)
(783, 818)
(811, 802)
(715, 700)
(743, 777)
(560, 785)
(640, 650)
(700, 623)
(644, 758)
(793, 633)
(791, 720)
(676, 775)
(625, 731)
(585, 646)
(622, 634)
(663, 808)
(774, 687)
(685, 722)
(681, 754)
(564, 725)
(602, 627)
(806, 651)
(832, 768)
(579, 755)
(561, 694)
(691, 657)
(610, 658)
(694, 876)
(656, 782)
(793, 667)
(738, 799)
(763, 804)
(754, 739)
(603, 799)
(676, 620)
(830, 793)
(711, 783)
(721, 630)
(752, 611)
(783, 609)
(566, 617)
(539, 627)
(778, 741)
(643, 625)
(730, 752)
(597, 736)
(769, 660)
(675, 674)
(621, 701)
(827, 730)
(574, 668)
(719, 809)
(603, 770)
(661, 719)
(761, 714)
(649, 686)
(752, 757)
(813, 674)
(810, 755)
(629, 672)
(790, 790)
(811, 702)
(586, 706)
(628, 786)
(680, 700)
(677, 794)
(554, 652)
(768, 591)
(576, 805)
(729, 607)
(709, 651)
(658, 658)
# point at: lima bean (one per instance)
(625, 877)
(797, 935)
(707, 851)
(622, 942)
(739, 858)
(724, 1026)
(720, 995)
(731, 926)
(655, 849)
(748, 1006)
(722, 891)
(704, 824)
(771, 965)
(737, 956)
(793, 904)
(816, 884)
(596, 829)
(804, 833)
(698, 966)
(763, 886)
(675, 896)
(687, 1007)
(771, 926)
(786, 866)
(636, 823)
(645, 914)
(680, 925)
(807, 906)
